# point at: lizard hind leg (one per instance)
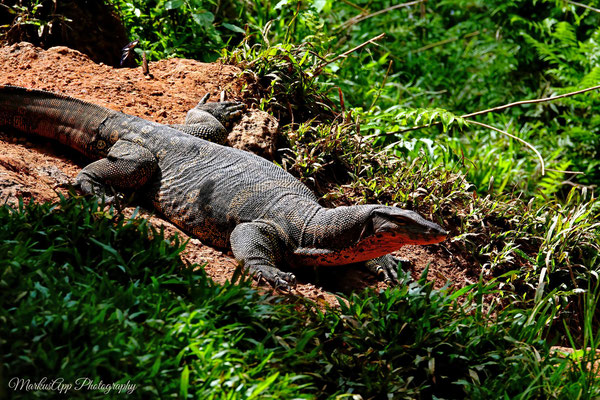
(258, 248)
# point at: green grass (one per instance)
(87, 293)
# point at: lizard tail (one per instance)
(72, 122)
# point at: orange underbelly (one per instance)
(367, 249)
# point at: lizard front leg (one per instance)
(126, 166)
(215, 133)
(258, 247)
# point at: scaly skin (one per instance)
(226, 197)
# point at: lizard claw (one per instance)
(225, 112)
(204, 99)
(258, 277)
(232, 111)
(292, 280)
(285, 283)
(282, 285)
(277, 279)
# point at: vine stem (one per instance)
(503, 107)
(537, 153)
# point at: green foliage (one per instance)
(428, 336)
(180, 28)
(87, 293)
(429, 116)
(281, 79)
(33, 20)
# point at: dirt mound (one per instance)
(39, 169)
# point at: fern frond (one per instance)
(544, 50)
(429, 116)
(565, 34)
(591, 79)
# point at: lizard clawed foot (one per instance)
(205, 98)
(233, 110)
(278, 279)
(105, 195)
(224, 111)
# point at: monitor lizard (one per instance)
(228, 198)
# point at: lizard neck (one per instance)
(331, 237)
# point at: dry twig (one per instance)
(346, 53)
(584, 6)
(533, 101)
(362, 17)
(503, 107)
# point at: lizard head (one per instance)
(402, 227)
(367, 232)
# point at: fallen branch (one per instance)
(584, 6)
(346, 53)
(503, 107)
(446, 41)
(518, 103)
(362, 17)
(537, 153)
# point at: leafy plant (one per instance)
(90, 294)
(32, 21)
(181, 28)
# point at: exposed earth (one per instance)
(40, 169)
